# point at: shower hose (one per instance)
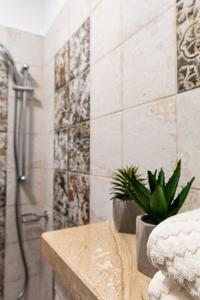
(19, 182)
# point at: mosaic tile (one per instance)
(79, 54)
(61, 149)
(3, 80)
(2, 188)
(188, 40)
(3, 140)
(60, 215)
(61, 107)
(79, 148)
(78, 199)
(79, 99)
(61, 67)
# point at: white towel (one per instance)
(174, 248)
(163, 288)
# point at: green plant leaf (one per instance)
(142, 193)
(161, 178)
(158, 203)
(179, 201)
(172, 184)
(152, 181)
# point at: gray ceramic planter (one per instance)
(143, 230)
(124, 216)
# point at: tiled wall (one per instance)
(25, 48)
(72, 130)
(3, 151)
(138, 111)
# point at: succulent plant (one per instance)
(160, 201)
(122, 188)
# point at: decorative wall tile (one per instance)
(3, 139)
(61, 67)
(61, 107)
(60, 200)
(2, 228)
(78, 199)
(188, 36)
(72, 131)
(79, 152)
(61, 149)
(79, 53)
(79, 99)
(2, 188)
(3, 80)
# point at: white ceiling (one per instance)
(34, 16)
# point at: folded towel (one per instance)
(174, 248)
(162, 288)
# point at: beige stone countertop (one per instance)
(96, 262)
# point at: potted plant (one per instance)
(159, 201)
(125, 209)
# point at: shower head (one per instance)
(5, 53)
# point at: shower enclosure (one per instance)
(23, 92)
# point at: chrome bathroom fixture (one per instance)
(23, 90)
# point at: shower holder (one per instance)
(34, 217)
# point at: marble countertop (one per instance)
(96, 262)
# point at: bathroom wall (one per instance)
(3, 157)
(139, 111)
(25, 48)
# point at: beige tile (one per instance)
(26, 47)
(106, 85)
(29, 231)
(192, 201)
(79, 12)
(48, 155)
(149, 136)
(12, 289)
(100, 203)
(149, 62)
(32, 189)
(58, 33)
(188, 112)
(13, 264)
(105, 145)
(105, 28)
(46, 282)
(136, 14)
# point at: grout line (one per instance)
(135, 33)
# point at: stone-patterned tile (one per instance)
(3, 140)
(3, 80)
(3, 95)
(79, 148)
(2, 188)
(79, 99)
(78, 199)
(79, 54)
(61, 107)
(3, 115)
(60, 214)
(61, 149)
(188, 28)
(61, 67)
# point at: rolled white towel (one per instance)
(163, 288)
(174, 248)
